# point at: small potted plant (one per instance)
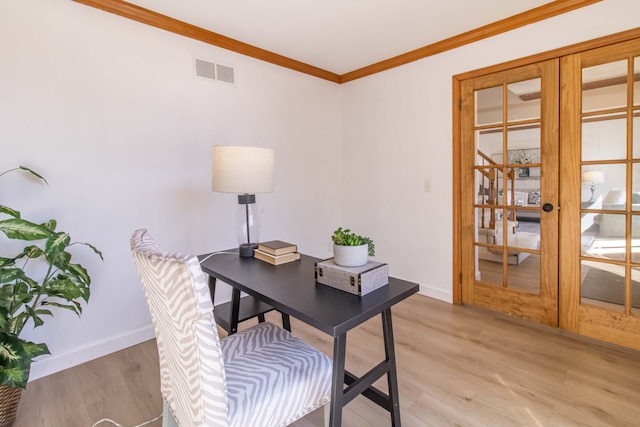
(33, 280)
(350, 249)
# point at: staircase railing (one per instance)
(491, 199)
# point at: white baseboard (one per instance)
(436, 293)
(47, 365)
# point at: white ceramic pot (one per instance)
(350, 256)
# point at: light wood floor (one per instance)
(457, 366)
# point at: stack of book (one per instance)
(276, 252)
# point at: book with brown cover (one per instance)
(277, 247)
(276, 259)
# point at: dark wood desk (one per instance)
(291, 289)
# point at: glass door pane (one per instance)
(509, 126)
(604, 86)
(508, 117)
(610, 237)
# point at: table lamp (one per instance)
(245, 171)
(595, 178)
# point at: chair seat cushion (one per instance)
(273, 378)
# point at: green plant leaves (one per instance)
(64, 288)
(5, 326)
(60, 284)
(8, 349)
(11, 212)
(15, 359)
(24, 168)
(32, 252)
(347, 238)
(32, 172)
(8, 275)
(79, 274)
(16, 228)
(14, 295)
(99, 253)
(59, 259)
(58, 242)
(51, 225)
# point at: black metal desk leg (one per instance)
(286, 322)
(337, 380)
(392, 375)
(212, 289)
(235, 311)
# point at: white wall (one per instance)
(109, 112)
(398, 134)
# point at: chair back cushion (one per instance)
(192, 374)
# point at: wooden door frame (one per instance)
(456, 131)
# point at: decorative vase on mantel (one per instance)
(351, 256)
(9, 399)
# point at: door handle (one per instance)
(547, 207)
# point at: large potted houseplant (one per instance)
(350, 249)
(35, 278)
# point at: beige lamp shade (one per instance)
(594, 177)
(242, 170)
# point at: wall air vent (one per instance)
(210, 70)
(224, 74)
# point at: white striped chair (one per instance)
(262, 376)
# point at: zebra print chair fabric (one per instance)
(262, 376)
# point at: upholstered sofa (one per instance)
(516, 239)
(614, 225)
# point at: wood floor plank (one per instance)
(457, 366)
(139, 370)
(54, 402)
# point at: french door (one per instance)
(550, 201)
(510, 197)
(600, 148)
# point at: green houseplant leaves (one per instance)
(16, 356)
(348, 238)
(58, 282)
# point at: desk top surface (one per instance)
(291, 288)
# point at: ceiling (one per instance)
(339, 35)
